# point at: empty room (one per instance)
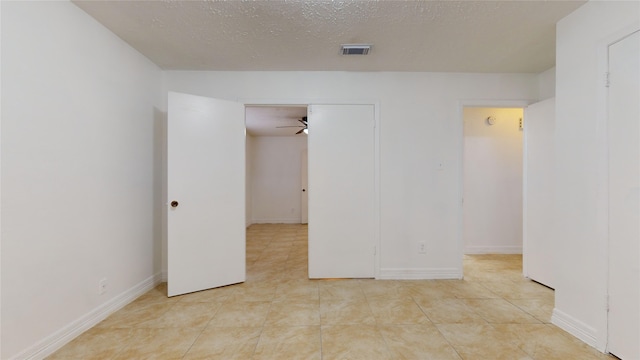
(143, 216)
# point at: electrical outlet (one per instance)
(422, 247)
(102, 286)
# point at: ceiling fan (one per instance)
(304, 127)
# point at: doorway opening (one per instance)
(492, 190)
(275, 147)
(206, 172)
(276, 192)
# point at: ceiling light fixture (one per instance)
(355, 49)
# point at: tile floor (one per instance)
(279, 314)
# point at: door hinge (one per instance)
(607, 79)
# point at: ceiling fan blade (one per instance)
(279, 127)
(303, 121)
(300, 132)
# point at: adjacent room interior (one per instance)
(276, 151)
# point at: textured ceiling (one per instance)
(441, 36)
(438, 36)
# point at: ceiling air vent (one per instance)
(355, 49)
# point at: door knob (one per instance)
(174, 204)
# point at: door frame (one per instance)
(462, 104)
(304, 186)
(376, 105)
(602, 171)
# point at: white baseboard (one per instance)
(574, 327)
(420, 274)
(276, 221)
(164, 276)
(493, 249)
(57, 340)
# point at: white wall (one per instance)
(580, 233)
(547, 84)
(419, 127)
(80, 174)
(249, 150)
(275, 178)
(492, 171)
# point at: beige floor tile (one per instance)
(417, 342)
(298, 265)
(134, 315)
(481, 341)
(272, 259)
(541, 309)
(493, 352)
(255, 291)
(297, 290)
(241, 314)
(499, 311)
(399, 312)
(216, 295)
(153, 296)
(482, 275)
(257, 277)
(345, 312)
(297, 342)
(494, 313)
(521, 289)
(225, 343)
(448, 311)
(185, 315)
(384, 289)
(340, 290)
(469, 290)
(294, 313)
(353, 342)
(97, 343)
(161, 344)
(294, 274)
(267, 264)
(432, 289)
(548, 342)
(468, 334)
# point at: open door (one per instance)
(341, 191)
(206, 190)
(538, 244)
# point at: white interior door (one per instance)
(624, 198)
(206, 177)
(341, 191)
(304, 195)
(538, 246)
